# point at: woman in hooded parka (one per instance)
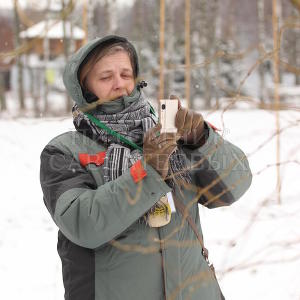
(110, 185)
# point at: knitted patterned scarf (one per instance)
(131, 122)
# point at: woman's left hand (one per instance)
(190, 124)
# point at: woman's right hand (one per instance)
(157, 149)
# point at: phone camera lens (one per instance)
(163, 106)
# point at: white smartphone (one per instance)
(167, 112)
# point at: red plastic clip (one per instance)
(137, 171)
(97, 159)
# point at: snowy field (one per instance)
(256, 238)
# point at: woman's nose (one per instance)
(118, 82)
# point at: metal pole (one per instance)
(187, 52)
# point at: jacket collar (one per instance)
(119, 104)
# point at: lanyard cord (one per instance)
(112, 132)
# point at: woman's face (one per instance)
(111, 77)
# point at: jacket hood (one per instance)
(70, 75)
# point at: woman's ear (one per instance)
(89, 96)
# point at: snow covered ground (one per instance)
(256, 236)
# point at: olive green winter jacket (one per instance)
(106, 252)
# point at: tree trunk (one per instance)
(2, 92)
(46, 61)
(110, 16)
(138, 23)
(18, 58)
(279, 15)
(66, 42)
(90, 21)
(296, 46)
(212, 38)
(261, 39)
(207, 36)
(169, 74)
(107, 15)
(297, 58)
(33, 92)
(217, 48)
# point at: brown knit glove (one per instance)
(157, 149)
(190, 125)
